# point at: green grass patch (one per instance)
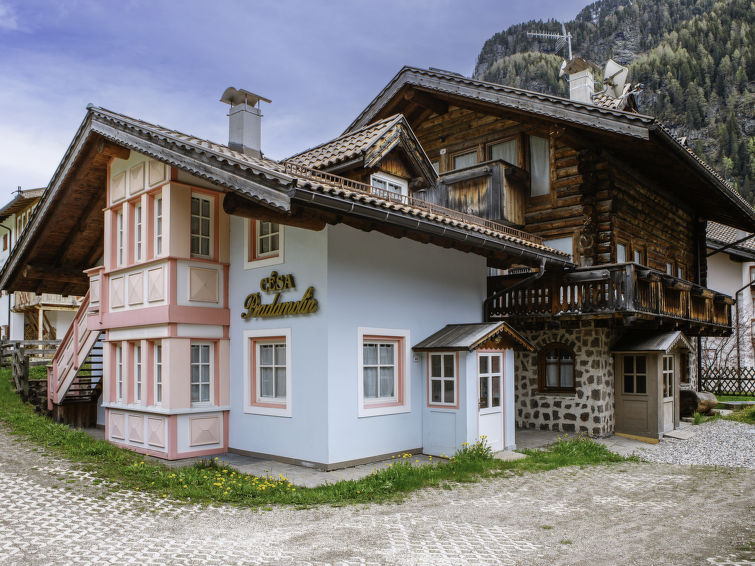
(211, 482)
(37, 372)
(746, 415)
(735, 397)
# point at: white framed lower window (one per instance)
(158, 372)
(443, 379)
(119, 373)
(138, 374)
(201, 374)
(382, 365)
(201, 226)
(267, 372)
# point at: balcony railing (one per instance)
(25, 300)
(632, 291)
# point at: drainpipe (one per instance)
(522, 283)
(10, 245)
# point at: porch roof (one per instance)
(469, 337)
(651, 342)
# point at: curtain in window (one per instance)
(540, 177)
(506, 151)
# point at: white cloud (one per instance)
(8, 19)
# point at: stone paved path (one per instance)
(633, 514)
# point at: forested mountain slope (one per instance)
(695, 58)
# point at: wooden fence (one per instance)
(729, 381)
(20, 355)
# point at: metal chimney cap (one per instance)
(235, 96)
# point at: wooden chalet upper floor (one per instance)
(613, 189)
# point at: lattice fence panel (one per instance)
(729, 381)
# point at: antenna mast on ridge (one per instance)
(562, 39)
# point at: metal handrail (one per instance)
(406, 200)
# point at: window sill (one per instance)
(269, 410)
(366, 410)
(557, 392)
(276, 259)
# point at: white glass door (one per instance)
(668, 393)
(490, 399)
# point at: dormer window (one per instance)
(386, 183)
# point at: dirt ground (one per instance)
(629, 514)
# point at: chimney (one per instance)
(581, 80)
(244, 121)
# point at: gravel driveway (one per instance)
(629, 513)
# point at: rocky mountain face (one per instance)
(694, 58)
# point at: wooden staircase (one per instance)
(74, 379)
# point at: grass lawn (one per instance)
(209, 482)
(745, 415)
(722, 398)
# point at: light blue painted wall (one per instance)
(304, 435)
(382, 282)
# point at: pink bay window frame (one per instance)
(400, 343)
(254, 400)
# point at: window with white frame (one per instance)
(491, 377)
(158, 225)
(119, 373)
(668, 376)
(138, 231)
(267, 389)
(138, 373)
(443, 378)
(267, 239)
(383, 359)
(388, 184)
(158, 374)
(201, 371)
(201, 226)
(119, 238)
(621, 253)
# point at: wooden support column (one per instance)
(40, 324)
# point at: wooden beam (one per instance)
(299, 217)
(59, 274)
(427, 101)
(112, 150)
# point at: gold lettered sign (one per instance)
(274, 285)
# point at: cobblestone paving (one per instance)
(52, 513)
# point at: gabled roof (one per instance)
(22, 200)
(65, 233)
(651, 342)
(367, 146)
(637, 138)
(469, 337)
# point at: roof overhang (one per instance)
(637, 139)
(474, 336)
(651, 342)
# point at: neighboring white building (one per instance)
(25, 315)
(729, 271)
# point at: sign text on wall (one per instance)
(276, 284)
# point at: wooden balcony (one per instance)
(627, 293)
(24, 301)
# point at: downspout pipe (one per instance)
(522, 283)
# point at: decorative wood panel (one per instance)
(156, 431)
(136, 179)
(136, 288)
(118, 187)
(117, 292)
(157, 172)
(117, 426)
(204, 430)
(136, 428)
(204, 285)
(156, 284)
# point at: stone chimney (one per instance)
(581, 80)
(244, 121)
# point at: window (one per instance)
(267, 391)
(267, 240)
(669, 268)
(680, 272)
(138, 373)
(119, 223)
(436, 166)
(508, 151)
(388, 184)
(621, 253)
(5, 241)
(264, 243)
(138, 231)
(200, 374)
(201, 226)
(491, 377)
(119, 373)
(158, 225)
(635, 375)
(158, 374)
(443, 379)
(668, 376)
(565, 244)
(540, 169)
(465, 160)
(556, 368)
(639, 255)
(382, 357)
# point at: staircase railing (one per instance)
(71, 355)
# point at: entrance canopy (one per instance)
(651, 342)
(469, 337)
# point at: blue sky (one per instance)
(320, 62)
